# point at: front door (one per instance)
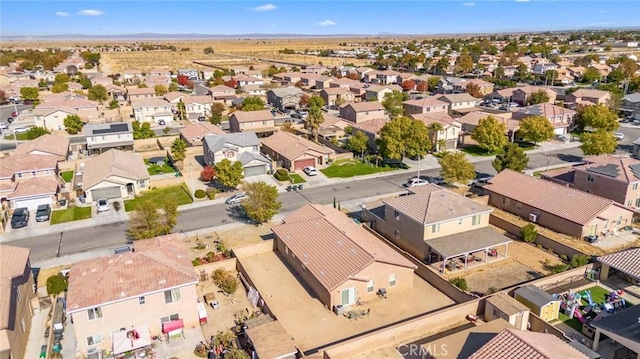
(348, 296)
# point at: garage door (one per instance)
(32, 203)
(559, 130)
(254, 171)
(107, 192)
(300, 164)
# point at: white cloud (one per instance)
(62, 14)
(90, 12)
(265, 7)
(327, 23)
(468, 4)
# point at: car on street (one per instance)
(237, 198)
(3, 126)
(14, 114)
(103, 205)
(201, 118)
(20, 218)
(619, 136)
(310, 171)
(9, 119)
(43, 213)
(161, 123)
(416, 182)
(481, 182)
(437, 180)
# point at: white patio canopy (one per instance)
(131, 339)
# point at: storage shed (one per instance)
(540, 302)
(506, 307)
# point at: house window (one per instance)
(142, 300)
(396, 215)
(172, 295)
(397, 233)
(475, 220)
(142, 184)
(392, 280)
(619, 220)
(460, 222)
(94, 313)
(506, 201)
(637, 202)
(590, 178)
(435, 228)
(629, 203)
(169, 318)
(94, 339)
(518, 205)
(370, 286)
(635, 186)
(606, 223)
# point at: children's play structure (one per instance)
(581, 306)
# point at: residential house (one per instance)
(630, 104)
(74, 86)
(377, 93)
(323, 82)
(371, 128)
(156, 281)
(343, 82)
(113, 174)
(387, 77)
(434, 224)
(340, 261)
(427, 104)
(448, 137)
(198, 106)
(222, 92)
(359, 89)
(293, 152)
(29, 180)
(285, 98)
(587, 97)
(309, 79)
(69, 101)
(17, 286)
(52, 118)
(131, 75)
(623, 263)
(362, 71)
(560, 208)
(333, 127)
(117, 93)
(174, 97)
(335, 96)
(512, 343)
(576, 71)
(459, 101)
(194, 133)
(448, 85)
(313, 69)
(260, 122)
(522, 95)
(152, 110)
(541, 68)
(503, 95)
(561, 118)
(137, 93)
(46, 145)
(102, 137)
(614, 177)
(254, 90)
(159, 72)
(244, 80)
(152, 81)
(191, 74)
(362, 111)
(472, 119)
(603, 69)
(242, 146)
(621, 329)
(270, 340)
(101, 80)
(18, 84)
(287, 78)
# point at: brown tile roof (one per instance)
(625, 168)
(442, 117)
(252, 116)
(531, 89)
(627, 261)
(568, 203)
(366, 106)
(457, 97)
(591, 93)
(222, 88)
(196, 132)
(204, 99)
(48, 144)
(113, 163)
(522, 344)
(372, 126)
(331, 246)
(271, 340)
(150, 102)
(428, 101)
(156, 264)
(473, 118)
(25, 163)
(432, 204)
(141, 91)
(336, 90)
(71, 102)
(291, 146)
(13, 261)
(174, 95)
(35, 186)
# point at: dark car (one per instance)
(43, 213)
(9, 119)
(20, 218)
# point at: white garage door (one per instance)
(559, 130)
(107, 192)
(32, 203)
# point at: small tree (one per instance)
(490, 134)
(262, 202)
(529, 233)
(252, 104)
(236, 354)
(56, 284)
(142, 131)
(474, 90)
(536, 129)
(392, 102)
(151, 219)
(229, 285)
(459, 282)
(598, 143)
(229, 174)
(179, 149)
(160, 89)
(579, 260)
(540, 96)
(35, 132)
(598, 117)
(73, 124)
(512, 157)
(591, 74)
(316, 117)
(98, 93)
(30, 94)
(208, 174)
(61, 78)
(208, 50)
(217, 109)
(358, 143)
(60, 87)
(455, 168)
(113, 104)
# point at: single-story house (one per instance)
(294, 152)
(424, 105)
(625, 262)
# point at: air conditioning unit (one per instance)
(533, 217)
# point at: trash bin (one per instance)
(63, 202)
(338, 309)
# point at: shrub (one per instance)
(211, 195)
(492, 290)
(199, 193)
(459, 282)
(281, 175)
(56, 284)
(579, 260)
(529, 233)
(229, 284)
(195, 262)
(218, 276)
(564, 257)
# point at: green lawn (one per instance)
(475, 150)
(67, 176)
(19, 136)
(296, 178)
(179, 194)
(70, 214)
(155, 169)
(353, 167)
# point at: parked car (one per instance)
(20, 217)
(310, 171)
(481, 182)
(43, 213)
(3, 126)
(161, 122)
(20, 130)
(14, 114)
(437, 180)
(303, 114)
(619, 136)
(235, 199)
(103, 205)
(201, 118)
(9, 119)
(123, 249)
(416, 182)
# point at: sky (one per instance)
(315, 17)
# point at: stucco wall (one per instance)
(17, 335)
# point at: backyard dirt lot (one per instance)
(291, 301)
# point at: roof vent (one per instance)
(123, 294)
(93, 270)
(339, 243)
(162, 281)
(129, 262)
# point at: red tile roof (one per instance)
(522, 344)
(291, 146)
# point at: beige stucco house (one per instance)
(294, 152)
(260, 122)
(152, 110)
(522, 95)
(362, 111)
(561, 118)
(29, 180)
(450, 133)
(239, 146)
(334, 96)
(424, 105)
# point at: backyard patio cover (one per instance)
(459, 244)
(122, 343)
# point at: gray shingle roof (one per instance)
(624, 323)
(534, 295)
(240, 139)
(247, 157)
(286, 91)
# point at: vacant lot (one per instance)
(70, 214)
(353, 167)
(178, 194)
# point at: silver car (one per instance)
(103, 205)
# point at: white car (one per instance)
(3, 126)
(416, 182)
(235, 199)
(103, 205)
(310, 171)
(20, 130)
(619, 136)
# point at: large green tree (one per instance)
(252, 104)
(98, 93)
(160, 89)
(403, 136)
(30, 94)
(358, 143)
(591, 74)
(315, 117)
(392, 102)
(512, 157)
(217, 109)
(60, 87)
(455, 168)
(490, 134)
(536, 129)
(464, 63)
(61, 78)
(142, 131)
(73, 124)
(262, 202)
(540, 96)
(151, 219)
(599, 117)
(598, 143)
(229, 174)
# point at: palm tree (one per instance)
(434, 128)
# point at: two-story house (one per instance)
(323, 82)
(378, 92)
(194, 133)
(138, 93)
(132, 295)
(16, 292)
(52, 118)
(45, 145)
(242, 146)
(451, 129)
(343, 82)
(522, 95)
(313, 69)
(198, 106)
(285, 98)
(427, 104)
(435, 224)
(587, 97)
(29, 180)
(448, 85)
(335, 96)
(294, 152)
(152, 110)
(541, 68)
(102, 137)
(610, 176)
(630, 104)
(244, 80)
(191, 74)
(260, 122)
(561, 118)
(459, 101)
(362, 111)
